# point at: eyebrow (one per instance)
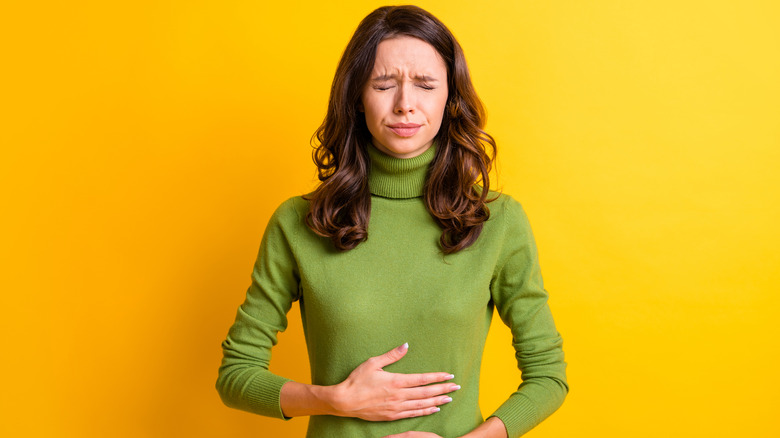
(423, 78)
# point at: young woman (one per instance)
(398, 259)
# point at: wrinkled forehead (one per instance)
(410, 57)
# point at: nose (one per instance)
(404, 100)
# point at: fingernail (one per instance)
(436, 409)
(456, 387)
(451, 376)
(405, 346)
(447, 399)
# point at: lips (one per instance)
(404, 129)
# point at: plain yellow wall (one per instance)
(145, 144)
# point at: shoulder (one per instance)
(508, 220)
(288, 219)
(286, 224)
(290, 211)
(505, 208)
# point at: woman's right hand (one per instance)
(373, 394)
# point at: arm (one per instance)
(521, 300)
(244, 381)
(493, 427)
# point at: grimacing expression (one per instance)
(405, 96)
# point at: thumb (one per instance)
(392, 356)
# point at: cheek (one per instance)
(373, 110)
(439, 107)
(372, 118)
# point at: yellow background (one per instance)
(145, 144)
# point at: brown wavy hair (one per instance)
(340, 206)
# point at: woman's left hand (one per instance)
(493, 427)
(414, 434)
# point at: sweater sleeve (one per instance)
(521, 300)
(244, 381)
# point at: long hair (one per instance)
(340, 206)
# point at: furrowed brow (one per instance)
(383, 77)
(423, 78)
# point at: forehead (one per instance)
(408, 55)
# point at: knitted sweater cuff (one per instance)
(518, 414)
(262, 395)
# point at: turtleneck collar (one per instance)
(400, 178)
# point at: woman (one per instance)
(398, 246)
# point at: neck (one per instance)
(401, 178)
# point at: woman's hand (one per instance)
(414, 434)
(491, 428)
(373, 394)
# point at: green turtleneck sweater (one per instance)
(398, 287)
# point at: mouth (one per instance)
(405, 129)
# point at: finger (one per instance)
(412, 380)
(416, 413)
(421, 392)
(425, 403)
(413, 434)
(391, 356)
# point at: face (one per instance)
(405, 96)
